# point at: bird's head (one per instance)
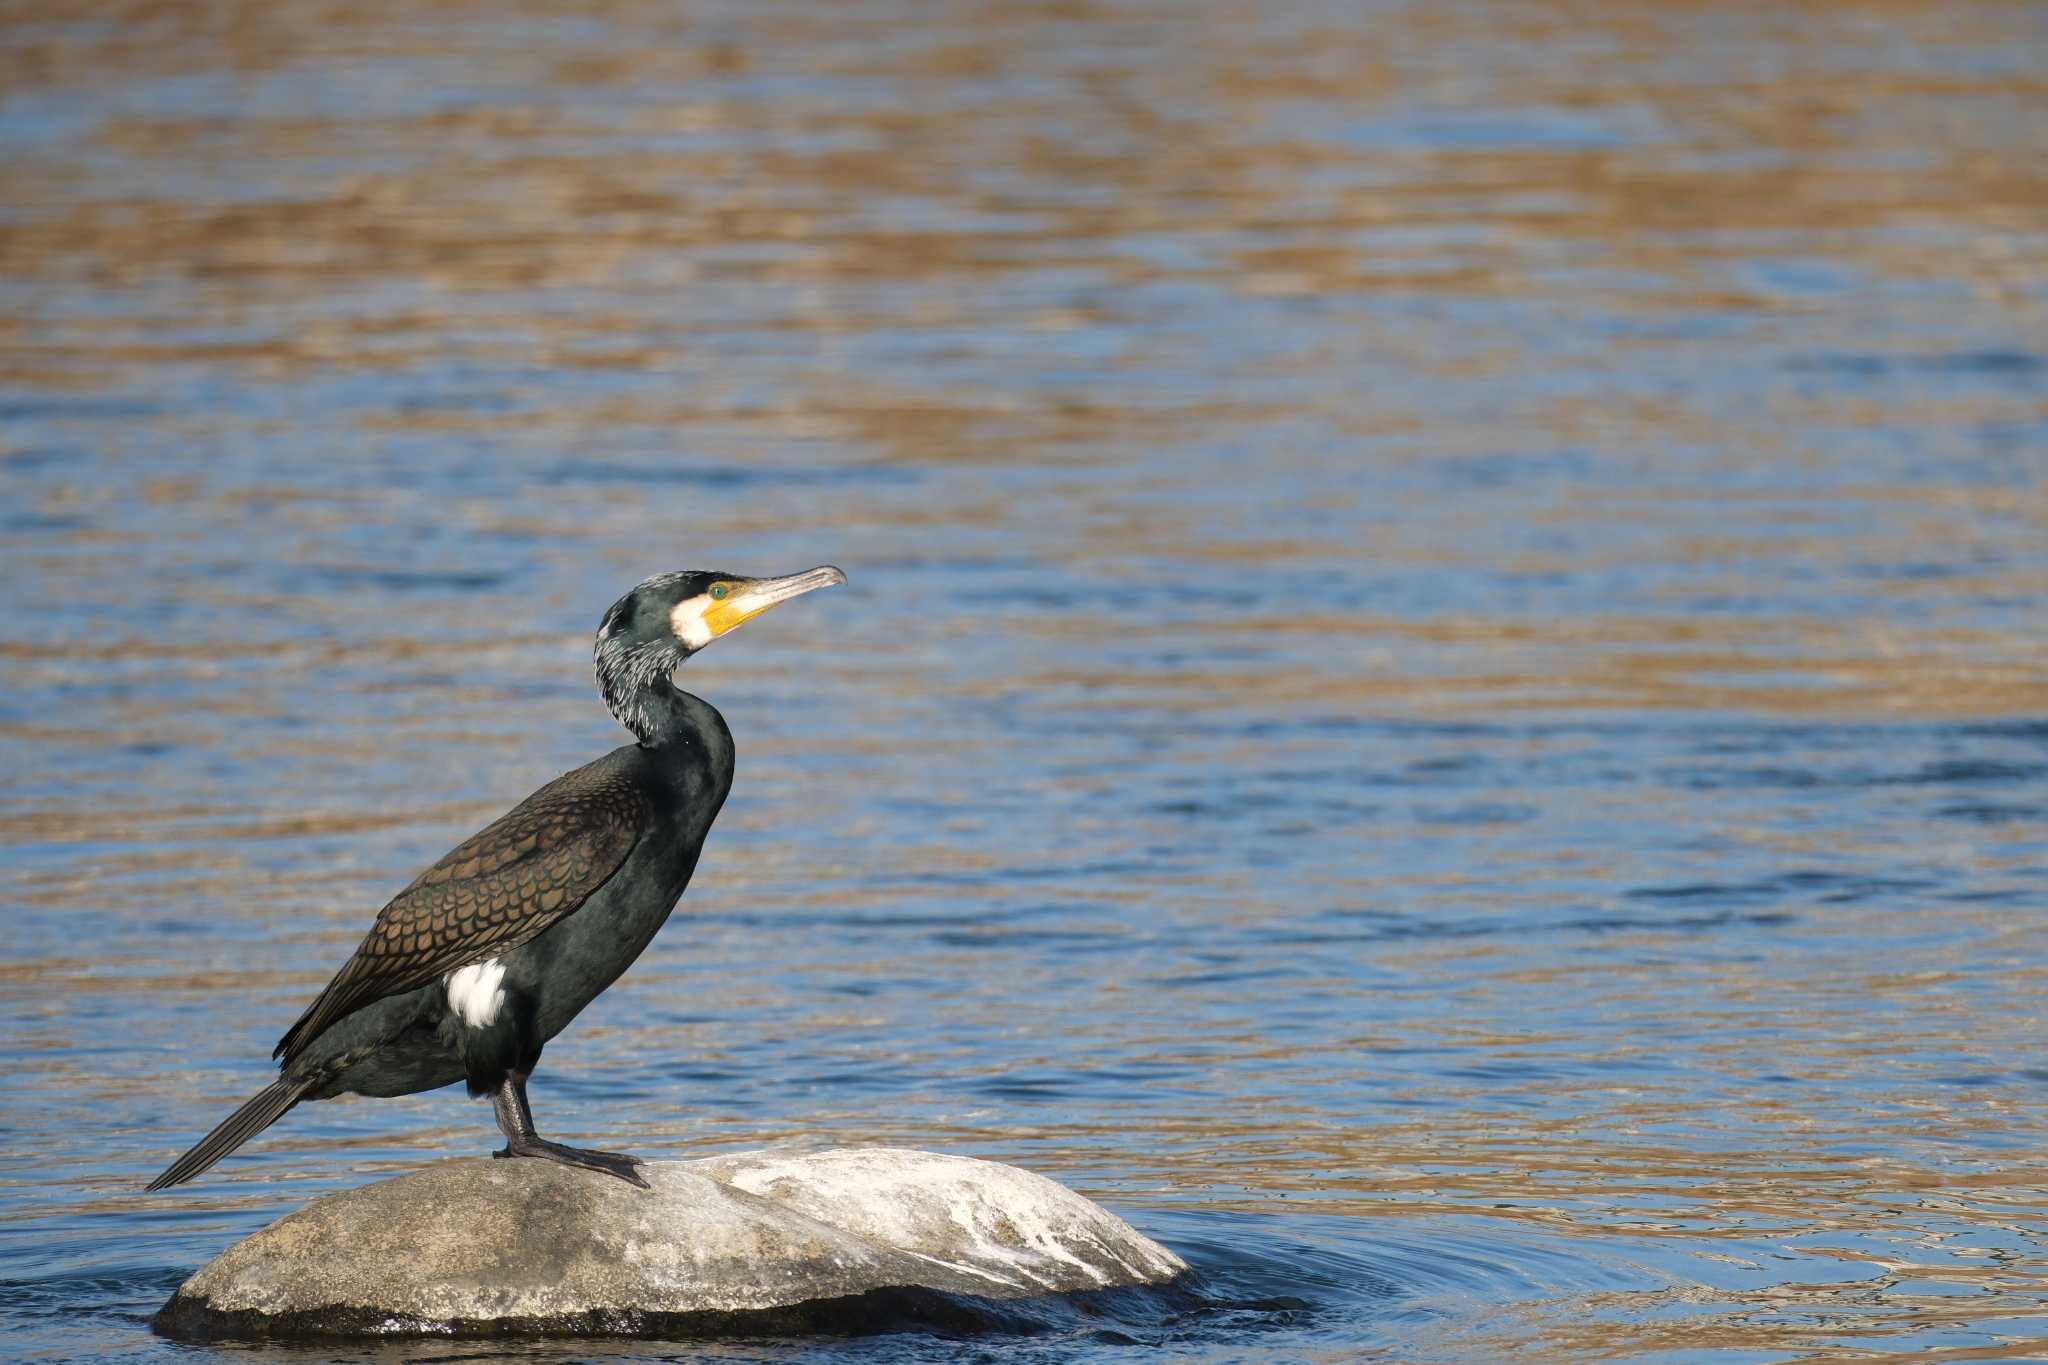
(671, 616)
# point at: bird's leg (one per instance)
(515, 1120)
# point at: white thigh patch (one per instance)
(473, 992)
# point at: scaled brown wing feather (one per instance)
(495, 890)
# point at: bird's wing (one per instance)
(495, 890)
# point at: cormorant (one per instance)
(469, 971)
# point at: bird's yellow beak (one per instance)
(748, 598)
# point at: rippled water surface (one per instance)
(1442, 699)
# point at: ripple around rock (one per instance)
(840, 1240)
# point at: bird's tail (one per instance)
(264, 1108)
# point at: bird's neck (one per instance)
(640, 692)
(663, 717)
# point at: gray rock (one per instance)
(761, 1241)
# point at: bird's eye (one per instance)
(718, 592)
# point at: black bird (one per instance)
(493, 950)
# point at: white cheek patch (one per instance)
(474, 993)
(687, 621)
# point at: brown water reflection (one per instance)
(1442, 693)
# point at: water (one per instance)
(1441, 700)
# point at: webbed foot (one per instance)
(515, 1121)
(611, 1163)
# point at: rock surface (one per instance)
(760, 1241)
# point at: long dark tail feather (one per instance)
(264, 1108)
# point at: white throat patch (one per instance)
(688, 623)
(474, 993)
